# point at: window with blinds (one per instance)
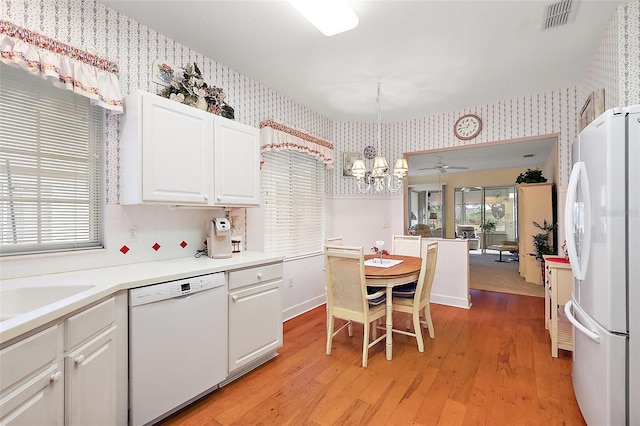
(51, 167)
(293, 201)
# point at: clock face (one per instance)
(467, 127)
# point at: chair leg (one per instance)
(350, 329)
(408, 322)
(329, 333)
(417, 330)
(365, 344)
(429, 322)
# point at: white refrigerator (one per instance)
(602, 222)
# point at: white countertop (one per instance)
(107, 281)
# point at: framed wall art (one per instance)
(593, 107)
(347, 162)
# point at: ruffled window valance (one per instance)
(276, 136)
(71, 68)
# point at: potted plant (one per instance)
(531, 176)
(489, 226)
(542, 244)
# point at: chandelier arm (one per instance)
(362, 188)
(392, 188)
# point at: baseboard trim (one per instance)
(303, 307)
(456, 302)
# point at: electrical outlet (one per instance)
(290, 281)
(132, 234)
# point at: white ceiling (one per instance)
(431, 56)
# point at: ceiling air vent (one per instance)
(558, 13)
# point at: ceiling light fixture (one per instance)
(379, 176)
(331, 17)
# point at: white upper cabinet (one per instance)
(166, 152)
(237, 164)
(167, 155)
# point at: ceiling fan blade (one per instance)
(457, 167)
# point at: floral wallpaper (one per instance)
(91, 25)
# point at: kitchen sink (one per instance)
(20, 300)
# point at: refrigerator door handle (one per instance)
(578, 215)
(589, 333)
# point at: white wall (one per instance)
(363, 221)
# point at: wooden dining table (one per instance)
(388, 277)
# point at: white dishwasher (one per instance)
(177, 344)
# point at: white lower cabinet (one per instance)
(32, 381)
(90, 366)
(255, 314)
(66, 374)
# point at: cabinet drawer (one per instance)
(87, 323)
(28, 356)
(259, 274)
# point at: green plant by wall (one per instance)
(489, 226)
(531, 176)
(541, 241)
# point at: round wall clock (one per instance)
(369, 152)
(467, 127)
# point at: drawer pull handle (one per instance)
(79, 359)
(260, 276)
(234, 298)
(55, 377)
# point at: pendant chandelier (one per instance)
(379, 178)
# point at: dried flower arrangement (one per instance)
(187, 86)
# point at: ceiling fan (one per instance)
(442, 167)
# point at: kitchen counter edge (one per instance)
(110, 280)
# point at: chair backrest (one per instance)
(406, 245)
(423, 230)
(466, 231)
(335, 241)
(427, 271)
(346, 281)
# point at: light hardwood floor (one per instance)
(488, 365)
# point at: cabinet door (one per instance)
(237, 164)
(37, 401)
(534, 204)
(32, 382)
(177, 150)
(91, 382)
(255, 323)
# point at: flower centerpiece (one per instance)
(379, 251)
(189, 87)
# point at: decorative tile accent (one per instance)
(156, 246)
(183, 244)
(124, 249)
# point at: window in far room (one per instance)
(51, 167)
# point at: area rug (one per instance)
(501, 277)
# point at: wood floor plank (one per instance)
(488, 365)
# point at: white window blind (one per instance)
(293, 198)
(51, 166)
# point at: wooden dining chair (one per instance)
(334, 241)
(347, 296)
(406, 245)
(414, 299)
